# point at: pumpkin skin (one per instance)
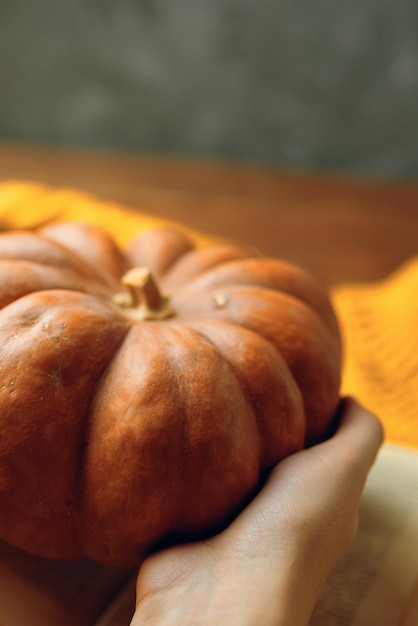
(118, 432)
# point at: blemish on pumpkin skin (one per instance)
(219, 300)
(60, 336)
(10, 387)
(55, 375)
(29, 318)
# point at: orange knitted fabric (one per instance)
(379, 321)
(28, 205)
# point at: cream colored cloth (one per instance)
(379, 321)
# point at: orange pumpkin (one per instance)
(145, 393)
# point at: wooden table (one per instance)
(342, 229)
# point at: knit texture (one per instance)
(30, 205)
(379, 321)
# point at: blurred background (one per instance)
(327, 85)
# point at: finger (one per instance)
(359, 430)
(350, 452)
(312, 484)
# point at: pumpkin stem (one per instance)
(144, 300)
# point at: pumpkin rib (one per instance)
(79, 523)
(253, 385)
(207, 304)
(196, 262)
(80, 263)
(320, 381)
(158, 249)
(49, 408)
(96, 538)
(268, 274)
(83, 445)
(307, 338)
(204, 414)
(245, 416)
(21, 278)
(91, 244)
(29, 246)
(201, 331)
(23, 245)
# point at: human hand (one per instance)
(269, 565)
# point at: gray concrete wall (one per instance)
(300, 83)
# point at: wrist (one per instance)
(224, 592)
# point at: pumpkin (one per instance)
(145, 393)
